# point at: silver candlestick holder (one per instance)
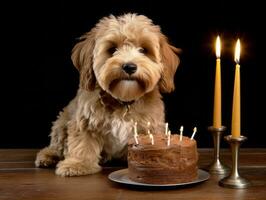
(217, 167)
(234, 180)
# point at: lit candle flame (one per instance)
(218, 47)
(237, 52)
(181, 129)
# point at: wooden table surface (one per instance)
(19, 179)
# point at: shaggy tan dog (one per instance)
(124, 64)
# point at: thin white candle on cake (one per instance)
(149, 133)
(194, 132)
(168, 138)
(148, 125)
(136, 133)
(152, 140)
(181, 133)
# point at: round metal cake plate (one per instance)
(121, 176)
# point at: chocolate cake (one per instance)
(160, 163)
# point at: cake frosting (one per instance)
(160, 163)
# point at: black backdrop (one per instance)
(38, 78)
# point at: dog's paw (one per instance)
(46, 158)
(72, 167)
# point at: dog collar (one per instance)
(108, 101)
(125, 103)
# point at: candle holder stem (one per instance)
(234, 180)
(217, 167)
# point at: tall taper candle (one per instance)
(236, 121)
(217, 113)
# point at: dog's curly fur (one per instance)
(97, 123)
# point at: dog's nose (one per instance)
(129, 68)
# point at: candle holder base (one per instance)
(217, 167)
(234, 180)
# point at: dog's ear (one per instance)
(170, 61)
(82, 58)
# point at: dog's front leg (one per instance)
(83, 155)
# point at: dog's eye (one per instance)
(111, 50)
(143, 50)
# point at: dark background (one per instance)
(38, 78)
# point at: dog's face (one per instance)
(127, 57)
